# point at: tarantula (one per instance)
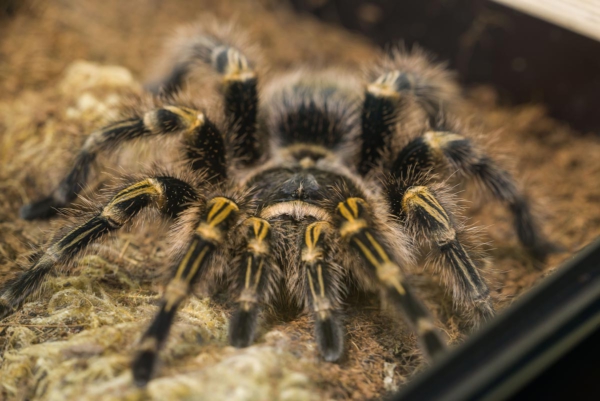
(316, 183)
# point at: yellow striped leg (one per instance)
(221, 213)
(426, 215)
(355, 229)
(169, 195)
(163, 121)
(323, 293)
(242, 325)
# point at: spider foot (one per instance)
(330, 338)
(41, 209)
(242, 327)
(143, 367)
(5, 309)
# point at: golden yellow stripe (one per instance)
(81, 236)
(186, 259)
(216, 215)
(417, 196)
(353, 203)
(215, 205)
(308, 238)
(312, 286)
(382, 254)
(248, 272)
(321, 281)
(367, 253)
(258, 273)
(196, 264)
(463, 267)
(434, 201)
(121, 124)
(345, 212)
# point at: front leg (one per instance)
(360, 231)
(167, 194)
(210, 233)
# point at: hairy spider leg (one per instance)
(201, 132)
(253, 278)
(406, 78)
(168, 195)
(211, 230)
(322, 292)
(422, 213)
(455, 152)
(356, 229)
(239, 86)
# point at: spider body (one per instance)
(311, 189)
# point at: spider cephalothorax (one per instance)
(318, 183)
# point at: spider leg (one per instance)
(324, 290)
(355, 226)
(457, 153)
(254, 279)
(200, 133)
(425, 217)
(220, 214)
(167, 194)
(239, 86)
(402, 80)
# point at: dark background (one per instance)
(525, 58)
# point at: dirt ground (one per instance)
(75, 340)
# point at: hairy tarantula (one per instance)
(315, 184)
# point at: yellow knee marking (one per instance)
(421, 197)
(209, 233)
(189, 118)
(384, 85)
(193, 118)
(148, 186)
(258, 244)
(350, 211)
(219, 209)
(311, 251)
(238, 68)
(439, 140)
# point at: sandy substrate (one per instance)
(75, 340)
